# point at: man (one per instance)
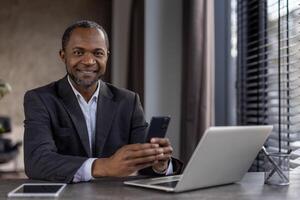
(79, 128)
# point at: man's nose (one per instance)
(88, 59)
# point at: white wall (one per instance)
(163, 61)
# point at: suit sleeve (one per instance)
(41, 159)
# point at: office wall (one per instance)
(29, 43)
(120, 41)
(163, 63)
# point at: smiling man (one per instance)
(79, 127)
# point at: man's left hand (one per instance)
(163, 159)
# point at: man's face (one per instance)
(85, 56)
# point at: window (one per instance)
(268, 82)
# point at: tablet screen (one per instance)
(38, 189)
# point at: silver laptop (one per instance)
(223, 156)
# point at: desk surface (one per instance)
(251, 187)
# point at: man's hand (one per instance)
(163, 159)
(127, 160)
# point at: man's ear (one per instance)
(108, 54)
(62, 54)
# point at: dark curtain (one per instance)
(135, 76)
(196, 95)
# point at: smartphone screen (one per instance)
(158, 127)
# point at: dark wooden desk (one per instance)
(250, 188)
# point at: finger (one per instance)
(161, 141)
(163, 157)
(131, 167)
(167, 150)
(138, 167)
(137, 147)
(161, 153)
(144, 153)
(143, 160)
(142, 166)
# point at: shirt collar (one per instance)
(78, 95)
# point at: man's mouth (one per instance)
(86, 71)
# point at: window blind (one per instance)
(268, 82)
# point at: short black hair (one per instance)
(82, 24)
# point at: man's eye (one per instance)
(77, 53)
(99, 54)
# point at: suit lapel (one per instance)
(106, 109)
(70, 101)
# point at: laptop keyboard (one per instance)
(171, 184)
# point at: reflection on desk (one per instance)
(251, 187)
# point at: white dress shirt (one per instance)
(89, 109)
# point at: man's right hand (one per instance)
(127, 160)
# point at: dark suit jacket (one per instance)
(56, 140)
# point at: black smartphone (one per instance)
(158, 127)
